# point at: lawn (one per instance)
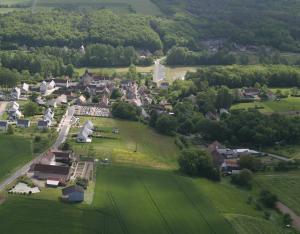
(284, 105)
(152, 148)
(289, 151)
(285, 185)
(14, 152)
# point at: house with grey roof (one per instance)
(3, 126)
(23, 123)
(85, 132)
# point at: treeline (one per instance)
(74, 28)
(252, 128)
(9, 78)
(247, 76)
(183, 56)
(40, 63)
(266, 25)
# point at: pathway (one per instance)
(286, 210)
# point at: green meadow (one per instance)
(14, 152)
(285, 185)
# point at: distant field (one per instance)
(284, 105)
(153, 149)
(285, 185)
(172, 73)
(138, 6)
(290, 151)
(14, 152)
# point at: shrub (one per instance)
(244, 178)
(268, 199)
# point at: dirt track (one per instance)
(286, 210)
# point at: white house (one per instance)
(85, 132)
(43, 87)
(25, 87)
(16, 93)
(14, 112)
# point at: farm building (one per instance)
(63, 156)
(45, 172)
(23, 123)
(3, 125)
(73, 193)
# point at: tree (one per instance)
(250, 162)
(287, 219)
(166, 124)
(116, 93)
(31, 109)
(244, 178)
(69, 70)
(224, 98)
(10, 130)
(124, 110)
(267, 198)
(197, 163)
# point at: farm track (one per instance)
(193, 204)
(118, 213)
(165, 222)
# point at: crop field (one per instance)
(14, 151)
(169, 203)
(135, 144)
(285, 185)
(284, 105)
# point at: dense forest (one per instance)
(246, 22)
(74, 28)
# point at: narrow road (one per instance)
(63, 133)
(278, 157)
(286, 210)
(159, 71)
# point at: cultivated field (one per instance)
(152, 149)
(14, 152)
(285, 185)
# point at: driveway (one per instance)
(286, 210)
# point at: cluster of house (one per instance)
(17, 92)
(255, 94)
(56, 168)
(84, 135)
(46, 121)
(228, 159)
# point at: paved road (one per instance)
(63, 133)
(64, 127)
(159, 71)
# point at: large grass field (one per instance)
(152, 148)
(140, 200)
(284, 105)
(14, 152)
(285, 185)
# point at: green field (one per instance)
(285, 185)
(284, 105)
(289, 151)
(14, 152)
(153, 149)
(140, 200)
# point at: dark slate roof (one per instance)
(71, 189)
(61, 154)
(23, 122)
(3, 123)
(60, 170)
(42, 123)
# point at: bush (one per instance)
(244, 178)
(166, 124)
(268, 199)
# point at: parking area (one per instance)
(92, 111)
